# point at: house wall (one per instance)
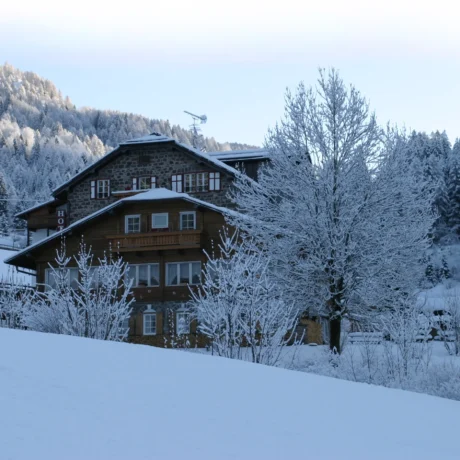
(161, 161)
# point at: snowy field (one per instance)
(71, 398)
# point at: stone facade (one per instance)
(158, 160)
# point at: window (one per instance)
(183, 273)
(196, 182)
(52, 277)
(182, 322)
(150, 322)
(188, 220)
(147, 275)
(144, 183)
(160, 220)
(189, 183)
(133, 224)
(96, 280)
(214, 181)
(202, 182)
(123, 328)
(100, 188)
(176, 183)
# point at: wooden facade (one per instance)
(122, 221)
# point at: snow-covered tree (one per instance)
(94, 303)
(341, 209)
(239, 306)
(15, 299)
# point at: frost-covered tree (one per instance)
(15, 299)
(239, 306)
(95, 303)
(341, 209)
(42, 134)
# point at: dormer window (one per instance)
(144, 182)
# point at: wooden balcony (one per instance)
(186, 239)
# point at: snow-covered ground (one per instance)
(8, 273)
(71, 398)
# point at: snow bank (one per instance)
(73, 398)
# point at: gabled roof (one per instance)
(153, 138)
(241, 155)
(158, 194)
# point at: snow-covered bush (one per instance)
(96, 306)
(15, 299)
(239, 306)
(449, 323)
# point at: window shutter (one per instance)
(134, 183)
(217, 180)
(93, 189)
(108, 188)
(153, 182)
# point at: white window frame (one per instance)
(149, 275)
(189, 182)
(132, 216)
(186, 213)
(190, 276)
(189, 322)
(149, 313)
(104, 184)
(202, 182)
(123, 326)
(160, 214)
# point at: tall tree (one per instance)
(341, 209)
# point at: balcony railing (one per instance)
(186, 239)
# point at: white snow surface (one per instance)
(72, 398)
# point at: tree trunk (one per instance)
(334, 332)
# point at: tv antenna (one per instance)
(195, 128)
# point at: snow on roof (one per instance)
(33, 208)
(252, 154)
(150, 138)
(156, 194)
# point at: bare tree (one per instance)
(340, 208)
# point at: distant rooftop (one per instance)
(235, 155)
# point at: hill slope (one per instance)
(73, 398)
(45, 139)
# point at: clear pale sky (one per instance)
(233, 60)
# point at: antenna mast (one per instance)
(195, 128)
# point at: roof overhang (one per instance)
(25, 259)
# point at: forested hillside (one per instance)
(45, 138)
